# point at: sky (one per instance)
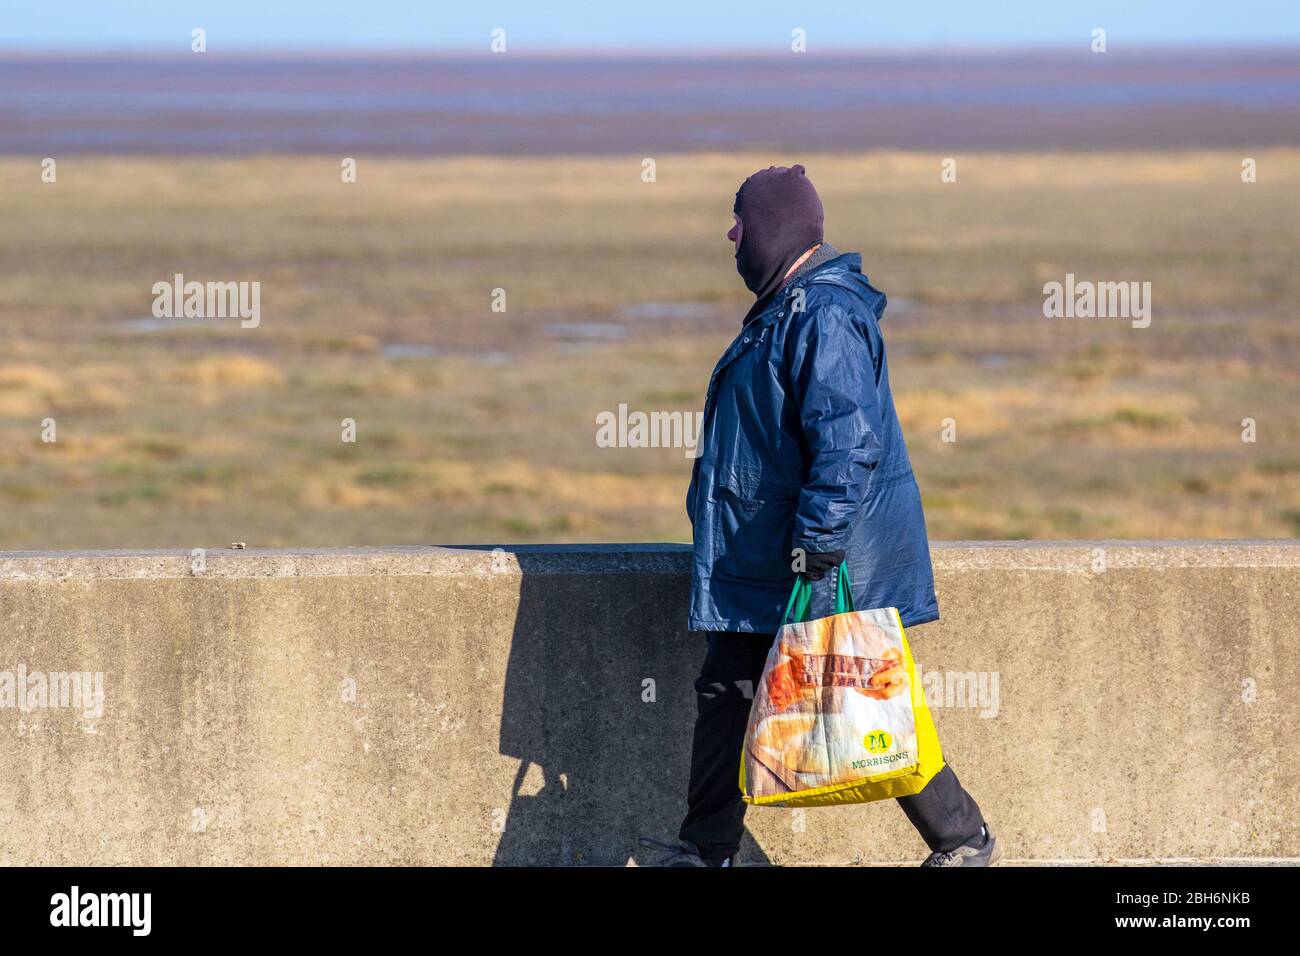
(622, 24)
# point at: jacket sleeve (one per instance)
(833, 388)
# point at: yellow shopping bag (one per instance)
(838, 716)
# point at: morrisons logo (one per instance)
(881, 761)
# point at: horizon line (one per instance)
(613, 50)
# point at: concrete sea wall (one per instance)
(533, 705)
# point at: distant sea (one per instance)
(437, 103)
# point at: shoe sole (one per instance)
(997, 852)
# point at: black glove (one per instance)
(817, 563)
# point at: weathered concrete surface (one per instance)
(1146, 705)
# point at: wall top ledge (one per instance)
(1084, 557)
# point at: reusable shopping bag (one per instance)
(837, 716)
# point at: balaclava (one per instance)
(781, 219)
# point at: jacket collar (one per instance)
(834, 270)
(825, 253)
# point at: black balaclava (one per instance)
(781, 219)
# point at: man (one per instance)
(802, 466)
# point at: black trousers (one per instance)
(943, 813)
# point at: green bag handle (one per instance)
(801, 596)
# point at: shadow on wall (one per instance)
(603, 736)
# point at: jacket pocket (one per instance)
(752, 538)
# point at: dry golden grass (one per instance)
(203, 433)
(240, 371)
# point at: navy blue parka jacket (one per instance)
(801, 448)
